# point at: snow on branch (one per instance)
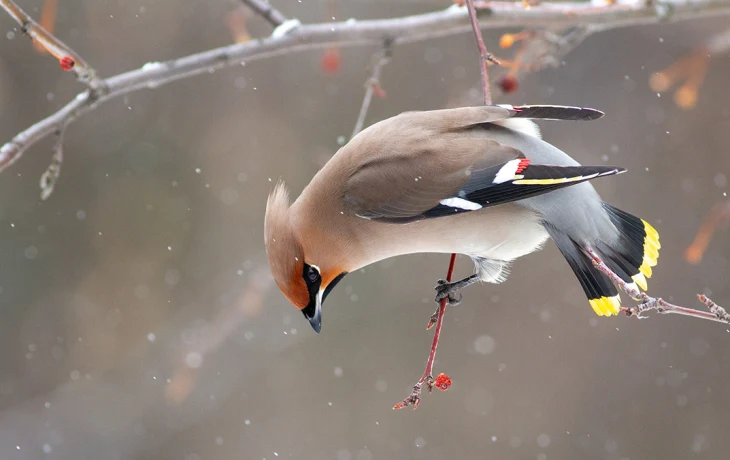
(290, 36)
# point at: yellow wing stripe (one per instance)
(561, 180)
(606, 306)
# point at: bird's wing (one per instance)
(422, 166)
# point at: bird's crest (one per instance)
(285, 254)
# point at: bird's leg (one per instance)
(446, 290)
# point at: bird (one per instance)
(477, 181)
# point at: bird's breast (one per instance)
(503, 232)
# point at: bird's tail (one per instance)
(631, 257)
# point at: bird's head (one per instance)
(301, 279)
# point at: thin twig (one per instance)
(450, 21)
(13, 150)
(52, 44)
(646, 302)
(381, 59)
(267, 11)
(546, 48)
(50, 177)
(484, 55)
(427, 379)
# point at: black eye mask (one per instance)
(314, 280)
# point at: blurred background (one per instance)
(138, 318)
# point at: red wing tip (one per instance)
(522, 165)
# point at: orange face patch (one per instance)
(296, 289)
(329, 275)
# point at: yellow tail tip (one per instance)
(651, 253)
(606, 306)
(650, 231)
(645, 270)
(640, 281)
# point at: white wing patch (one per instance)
(461, 204)
(507, 172)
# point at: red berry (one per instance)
(508, 84)
(330, 62)
(443, 382)
(67, 63)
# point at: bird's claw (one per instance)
(446, 290)
(453, 301)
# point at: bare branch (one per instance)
(484, 55)
(450, 21)
(69, 59)
(13, 150)
(372, 84)
(716, 313)
(267, 11)
(427, 379)
(53, 172)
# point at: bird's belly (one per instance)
(503, 232)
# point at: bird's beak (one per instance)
(316, 319)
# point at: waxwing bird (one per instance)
(474, 180)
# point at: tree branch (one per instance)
(267, 11)
(53, 172)
(484, 55)
(450, 21)
(69, 59)
(381, 59)
(414, 398)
